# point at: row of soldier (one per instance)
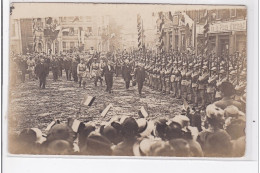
(194, 78)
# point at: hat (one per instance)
(222, 71)
(143, 147)
(161, 148)
(61, 132)
(160, 128)
(96, 144)
(59, 147)
(232, 111)
(31, 136)
(181, 120)
(214, 112)
(227, 88)
(233, 72)
(181, 147)
(129, 127)
(111, 134)
(196, 65)
(213, 69)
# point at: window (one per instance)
(13, 30)
(89, 29)
(64, 46)
(72, 44)
(75, 31)
(71, 31)
(233, 12)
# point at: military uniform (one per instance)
(168, 73)
(211, 89)
(189, 83)
(184, 82)
(203, 81)
(222, 78)
(194, 79)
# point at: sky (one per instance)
(124, 14)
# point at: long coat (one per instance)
(126, 70)
(42, 70)
(108, 73)
(140, 74)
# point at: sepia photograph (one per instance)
(140, 80)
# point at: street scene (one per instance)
(161, 80)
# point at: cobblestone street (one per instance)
(34, 107)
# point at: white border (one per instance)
(246, 164)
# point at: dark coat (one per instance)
(108, 73)
(126, 70)
(140, 74)
(67, 64)
(42, 70)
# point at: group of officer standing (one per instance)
(184, 75)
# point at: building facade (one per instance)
(61, 34)
(184, 31)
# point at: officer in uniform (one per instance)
(55, 68)
(203, 81)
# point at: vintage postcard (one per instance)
(127, 80)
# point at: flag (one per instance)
(105, 111)
(88, 101)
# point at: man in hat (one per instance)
(67, 67)
(140, 77)
(74, 66)
(108, 72)
(126, 72)
(203, 81)
(55, 68)
(42, 71)
(227, 91)
(22, 64)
